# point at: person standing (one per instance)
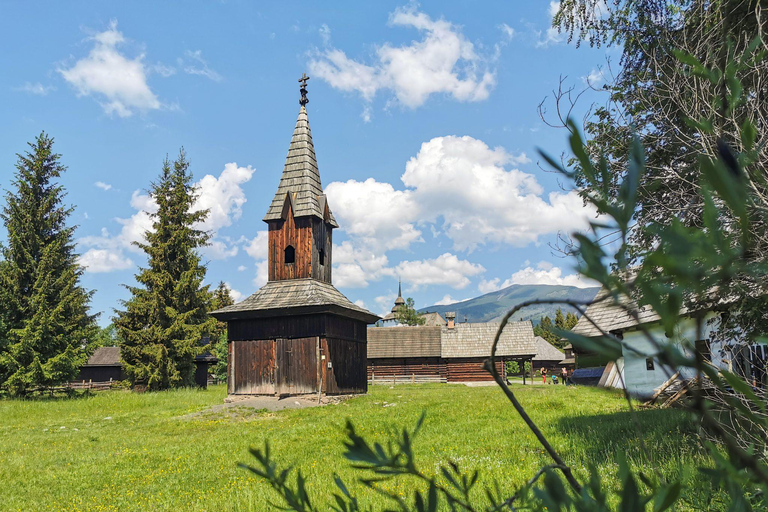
(543, 375)
(563, 374)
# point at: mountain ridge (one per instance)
(490, 307)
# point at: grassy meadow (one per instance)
(126, 451)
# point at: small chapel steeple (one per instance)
(300, 221)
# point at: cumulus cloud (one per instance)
(443, 61)
(119, 82)
(262, 274)
(464, 187)
(544, 273)
(455, 186)
(104, 260)
(222, 195)
(374, 212)
(257, 247)
(447, 269)
(103, 186)
(447, 300)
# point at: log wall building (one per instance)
(450, 353)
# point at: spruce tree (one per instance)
(167, 315)
(43, 309)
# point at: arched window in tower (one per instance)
(322, 256)
(290, 254)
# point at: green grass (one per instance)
(126, 451)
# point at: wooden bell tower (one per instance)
(298, 334)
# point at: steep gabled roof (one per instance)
(105, 356)
(300, 182)
(545, 351)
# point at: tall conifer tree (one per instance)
(44, 316)
(166, 316)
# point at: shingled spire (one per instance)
(300, 183)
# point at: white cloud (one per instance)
(594, 78)
(199, 66)
(444, 61)
(508, 31)
(464, 182)
(257, 248)
(37, 88)
(460, 188)
(447, 300)
(163, 70)
(223, 196)
(325, 34)
(102, 185)
(361, 304)
(366, 114)
(236, 295)
(262, 273)
(242, 268)
(120, 82)
(447, 269)
(544, 273)
(104, 260)
(374, 212)
(490, 285)
(384, 303)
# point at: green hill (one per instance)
(492, 306)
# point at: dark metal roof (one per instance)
(105, 356)
(300, 182)
(293, 297)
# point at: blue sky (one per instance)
(424, 118)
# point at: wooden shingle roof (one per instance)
(406, 341)
(300, 181)
(475, 340)
(105, 356)
(610, 316)
(545, 351)
(293, 297)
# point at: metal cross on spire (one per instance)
(303, 89)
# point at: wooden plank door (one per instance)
(254, 367)
(296, 366)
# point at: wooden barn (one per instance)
(450, 353)
(298, 334)
(106, 364)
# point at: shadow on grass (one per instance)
(660, 437)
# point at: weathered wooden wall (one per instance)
(282, 366)
(418, 369)
(471, 369)
(298, 326)
(295, 232)
(347, 372)
(307, 235)
(323, 240)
